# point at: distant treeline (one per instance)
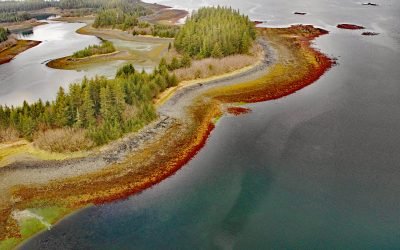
(105, 109)
(129, 20)
(13, 11)
(215, 32)
(160, 30)
(4, 34)
(96, 4)
(104, 48)
(119, 17)
(27, 5)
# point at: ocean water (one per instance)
(319, 169)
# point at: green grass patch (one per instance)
(30, 226)
(216, 119)
(50, 214)
(8, 244)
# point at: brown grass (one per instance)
(212, 66)
(8, 135)
(63, 140)
(8, 43)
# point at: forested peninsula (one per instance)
(101, 110)
(138, 128)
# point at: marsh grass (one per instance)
(8, 135)
(63, 140)
(212, 67)
(217, 66)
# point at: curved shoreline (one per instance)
(10, 53)
(186, 134)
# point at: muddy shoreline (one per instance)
(11, 52)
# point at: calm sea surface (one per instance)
(319, 169)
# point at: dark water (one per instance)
(319, 169)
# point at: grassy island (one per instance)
(105, 50)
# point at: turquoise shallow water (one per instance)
(319, 169)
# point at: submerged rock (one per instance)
(300, 13)
(259, 22)
(370, 4)
(369, 33)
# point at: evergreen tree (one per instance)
(175, 64)
(217, 51)
(86, 112)
(186, 61)
(61, 108)
(3, 34)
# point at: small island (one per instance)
(104, 50)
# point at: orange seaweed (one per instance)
(238, 111)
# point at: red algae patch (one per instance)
(347, 26)
(236, 111)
